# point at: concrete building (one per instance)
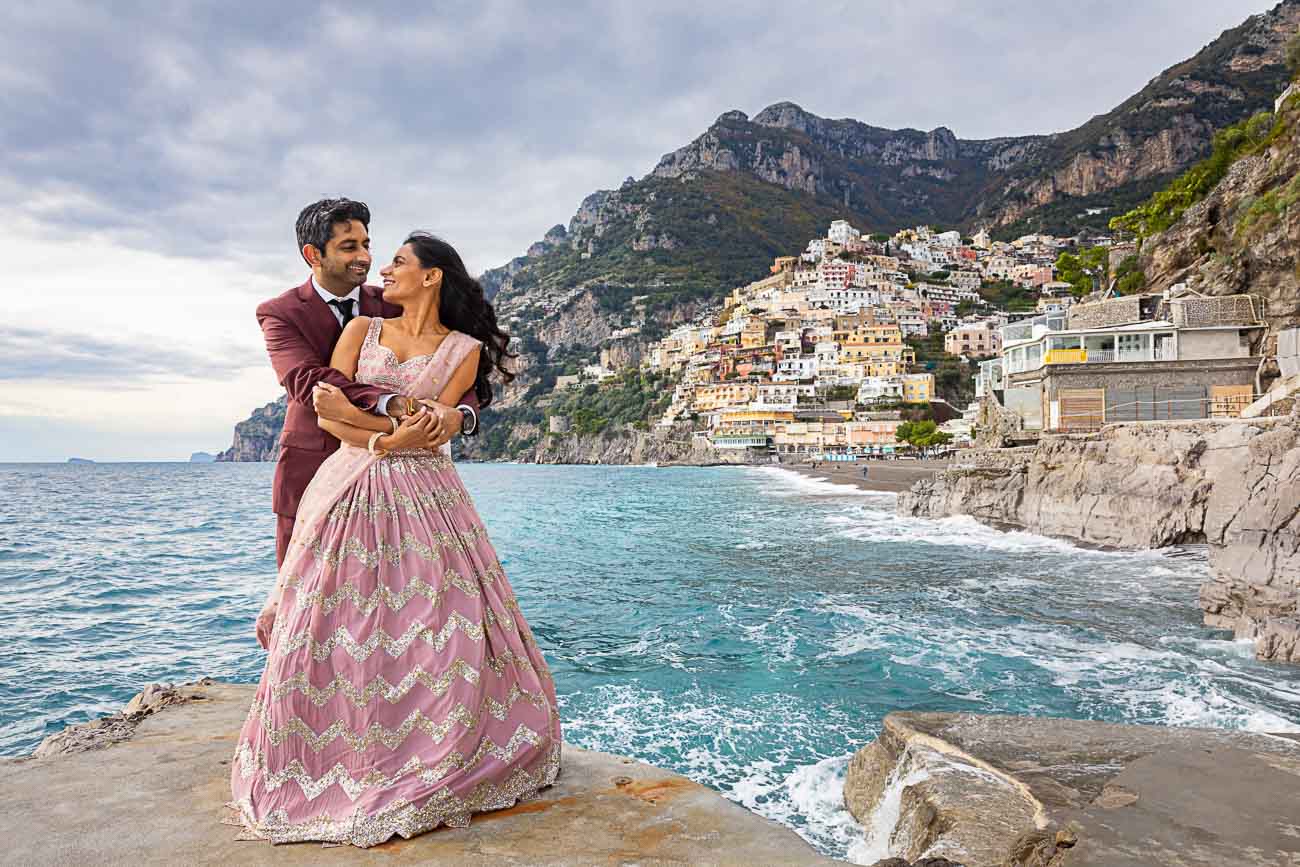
(1129, 359)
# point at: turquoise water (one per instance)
(746, 627)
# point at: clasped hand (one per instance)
(429, 427)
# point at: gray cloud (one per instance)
(202, 129)
(34, 354)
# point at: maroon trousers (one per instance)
(283, 530)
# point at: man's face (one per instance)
(345, 260)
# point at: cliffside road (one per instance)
(893, 476)
(1028, 792)
(157, 798)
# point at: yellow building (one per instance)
(714, 396)
(918, 387)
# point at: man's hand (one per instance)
(330, 402)
(265, 624)
(447, 422)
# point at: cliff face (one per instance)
(257, 438)
(632, 447)
(1233, 485)
(1245, 235)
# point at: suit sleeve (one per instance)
(299, 368)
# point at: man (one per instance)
(301, 327)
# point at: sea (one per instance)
(746, 627)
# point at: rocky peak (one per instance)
(787, 115)
(733, 116)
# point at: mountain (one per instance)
(202, 458)
(659, 250)
(1244, 234)
(711, 214)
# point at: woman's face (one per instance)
(405, 279)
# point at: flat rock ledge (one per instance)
(148, 787)
(1033, 792)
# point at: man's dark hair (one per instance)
(316, 222)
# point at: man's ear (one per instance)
(311, 254)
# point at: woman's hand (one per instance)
(415, 432)
(330, 402)
(266, 624)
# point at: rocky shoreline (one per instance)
(1233, 485)
(149, 789)
(1032, 792)
(932, 790)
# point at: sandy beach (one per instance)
(890, 476)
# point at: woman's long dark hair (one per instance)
(463, 307)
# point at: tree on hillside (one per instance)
(1085, 272)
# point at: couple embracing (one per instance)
(403, 689)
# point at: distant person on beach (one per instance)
(403, 688)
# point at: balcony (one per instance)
(1163, 352)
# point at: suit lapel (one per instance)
(318, 320)
(372, 302)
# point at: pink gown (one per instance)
(403, 688)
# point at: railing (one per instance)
(1107, 356)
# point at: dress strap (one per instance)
(372, 333)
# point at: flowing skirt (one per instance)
(403, 689)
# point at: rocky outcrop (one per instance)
(1234, 485)
(1025, 792)
(257, 438)
(118, 727)
(1244, 237)
(629, 446)
(156, 799)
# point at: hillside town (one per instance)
(815, 358)
(818, 359)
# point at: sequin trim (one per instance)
(392, 738)
(403, 818)
(251, 763)
(377, 687)
(362, 650)
(441, 498)
(392, 554)
(396, 600)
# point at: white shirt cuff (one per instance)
(381, 407)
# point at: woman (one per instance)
(403, 688)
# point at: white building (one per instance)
(795, 368)
(842, 233)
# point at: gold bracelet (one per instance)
(393, 419)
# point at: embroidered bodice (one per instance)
(378, 365)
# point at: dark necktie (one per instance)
(344, 307)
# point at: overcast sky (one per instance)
(154, 162)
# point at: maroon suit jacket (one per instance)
(300, 331)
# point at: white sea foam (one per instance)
(878, 843)
(788, 483)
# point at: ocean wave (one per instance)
(788, 483)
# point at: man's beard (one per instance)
(345, 276)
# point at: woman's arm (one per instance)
(332, 403)
(347, 352)
(463, 379)
(413, 433)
